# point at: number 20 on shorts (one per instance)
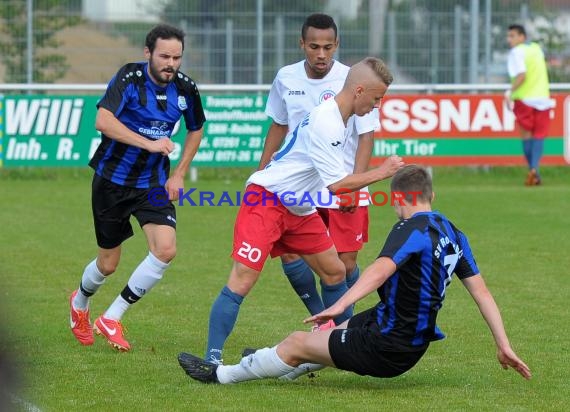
(252, 254)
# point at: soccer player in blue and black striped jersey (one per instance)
(136, 118)
(411, 274)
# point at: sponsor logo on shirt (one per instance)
(296, 92)
(157, 130)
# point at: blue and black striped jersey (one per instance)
(152, 112)
(427, 249)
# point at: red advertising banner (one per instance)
(459, 130)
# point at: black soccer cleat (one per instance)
(247, 352)
(197, 368)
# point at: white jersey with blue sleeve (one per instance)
(293, 95)
(311, 159)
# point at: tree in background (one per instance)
(49, 16)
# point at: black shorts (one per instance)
(113, 206)
(362, 349)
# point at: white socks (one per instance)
(117, 309)
(146, 275)
(264, 363)
(91, 281)
(301, 370)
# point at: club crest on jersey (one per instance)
(182, 105)
(327, 94)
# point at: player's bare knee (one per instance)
(240, 286)
(289, 257)
(165, 253)
(241, 290)
(349, 261)
(290, 350)
(334, 274)
(107, 266)
(349, 267)
(242, 279)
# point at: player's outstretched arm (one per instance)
(363, 152)
(490, 311)
(357, 181)
(370, 280)
(275, 136)
(361, 163)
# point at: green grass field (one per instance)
(520, 237)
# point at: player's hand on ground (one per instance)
(165, 146)
(508, 358)
(391, 165)
(173, 186)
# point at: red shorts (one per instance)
(264, 227)
(348, 231)
(535, 121)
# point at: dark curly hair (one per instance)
(165, 32)
(319, 21)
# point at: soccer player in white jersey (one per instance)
(273, 220)
(296, 90)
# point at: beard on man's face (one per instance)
(164, 75)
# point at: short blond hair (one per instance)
(380, 68)
(367, 69)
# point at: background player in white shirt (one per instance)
(296, 90)
(312, 159)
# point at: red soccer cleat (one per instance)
(324, 326)
(80, 324)
(112, 330)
